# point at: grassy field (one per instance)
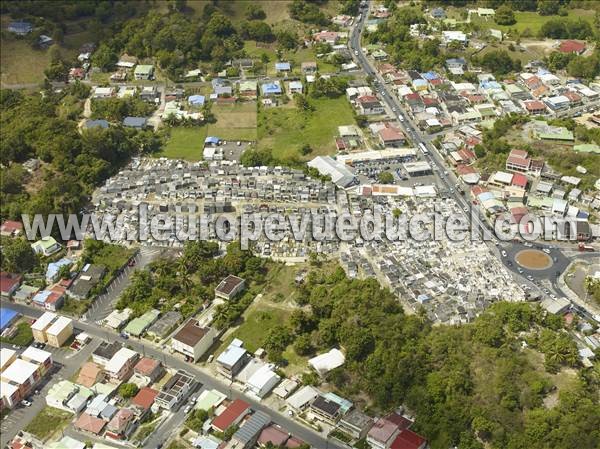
(47, 422)
(20, 63)
(112, 257)
(284, 130)
(234, 122)
(75, 307)
(276, 10)
(185, 143)
(532, 21)
(23, 337)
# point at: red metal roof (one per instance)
(236, 409)
(571, 47)
(145, 398)
(519, 180)
(407, 439)
(8, 281)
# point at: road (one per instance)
(449, 182)
(206, 379)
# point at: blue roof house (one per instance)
(7, 317)
(212, 140)
(283, 66)
(54, 268)
(20, 27)
(196, 100)
(273, 88)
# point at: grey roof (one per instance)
(134, 122)
(165, 323)
(107, 350)
(358, 419)
(95, 124)
(86, 280)
(250, 430)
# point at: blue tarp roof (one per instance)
(212, 139)
(54, 267)
(430, 75)
(42, 296)
(484, 196)
(271, 88)
(6, 316)
(490, 85)
(282, 66)
(196, 99)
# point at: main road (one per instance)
(208, 381)
(505, 251)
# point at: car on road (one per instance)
(187, 409)
(290, 413)
(446, 172)
(504, 253)
(124, 335)
(25, 403)
(546, 250)
(466, 209)
(520, 270)
(356, 52)
(530, 277)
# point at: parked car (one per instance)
(25, 403)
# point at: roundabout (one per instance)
(533, 259)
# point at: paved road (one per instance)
(207, 380)
(104, 304)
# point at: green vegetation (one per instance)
(113, 257)
(529, 23)
(257, 324)
(116, 109)
(145, 430)
(283, 130)
(196, 419)
(47, 422)
(22, 337)
(17, 256)
(234, 122)
(592, 286)
(184, 143)
(128, 390)
(385, 177)
(75, 307)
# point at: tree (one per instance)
(504, 15)
(548, 7)
(255, 12)
(64, 272)
(196, 419)
(104, 57)
(128, 390)
(287, 40)
(385, 177)
(303, 345)
(17, 256)
(305, 149)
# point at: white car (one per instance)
(25, 403)
(546, 250)
(503, 253)
(356, 52)
(187, 409)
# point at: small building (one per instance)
(295, 87)
(369, 105)
(356, 424)
(325, 410)
(89, 374)
(262, 381)
(231, 416)
(390, 136)
(148, 369)
(138, 326)
(302, 398)
(165, 324)
(282, 67)
(117, 318)
(232, 359)
(193, 340)
(10, 228)
(46, 246)
(135, 122)
(20, 27)
(9, 283)
(90, 424)
(571, 46)
(248, 89)
(248, 433)
(270, 89)
(143, 400)
(518, 160)
(105, 351)
(92, 124)
(382, 434)
(144, 72)
(86, 280)
(417, 168)
(229, 287)
(120, 366)
(121, 425)
(309, 67)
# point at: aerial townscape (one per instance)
(123, 123)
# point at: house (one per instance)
(456, 66)
(295, 87)
(248, 433)
(121, 424)
(126, 61)
(148, 370)
(46, 246)
(229, 287)
(143, 400)
(262, 381)
(11, 228)
(231, 416)
(232, 360)
(356, 424)
(91, 124)
(117, 318)
(210, 400)
(86, 280)
(282, 67)
(193, 340)
(196, 100)
(76, 73)
(135, 122)
(270, 89)
(175, 390)
(325, 410)
(9, 283)
(274, 435)
(165, 324)
(342, 20)
(103, 92)
(328, 37)
(382, 434)
(485, 12)
(89, 424)
(518, 160)
(89, 374)
(369, 105)
(328, 361)
(438, 13)
(243, 63)
(143, 72)
(308, 67)
(390, 136)
(20, 27)
(248, 89)
(535, 107)
(105, 351)
(120, 366)
(407, 439)
(571, 46)
(454, 36)
(7, 317)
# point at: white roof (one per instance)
(425, 191)
(7, 390)
(454, 35)
(5, 355)
(117, 317)
(302, 397)
(503, 177)
(119, 359)
(262, 377)
(36, 354)
(324, 363)
(19, 371)
(558, 99)
(103, 90)
(42, 322)
(59, 325)
(463, 86)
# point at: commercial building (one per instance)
(339, 173)
(193, 340)
(20, 375)
(417, 168)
